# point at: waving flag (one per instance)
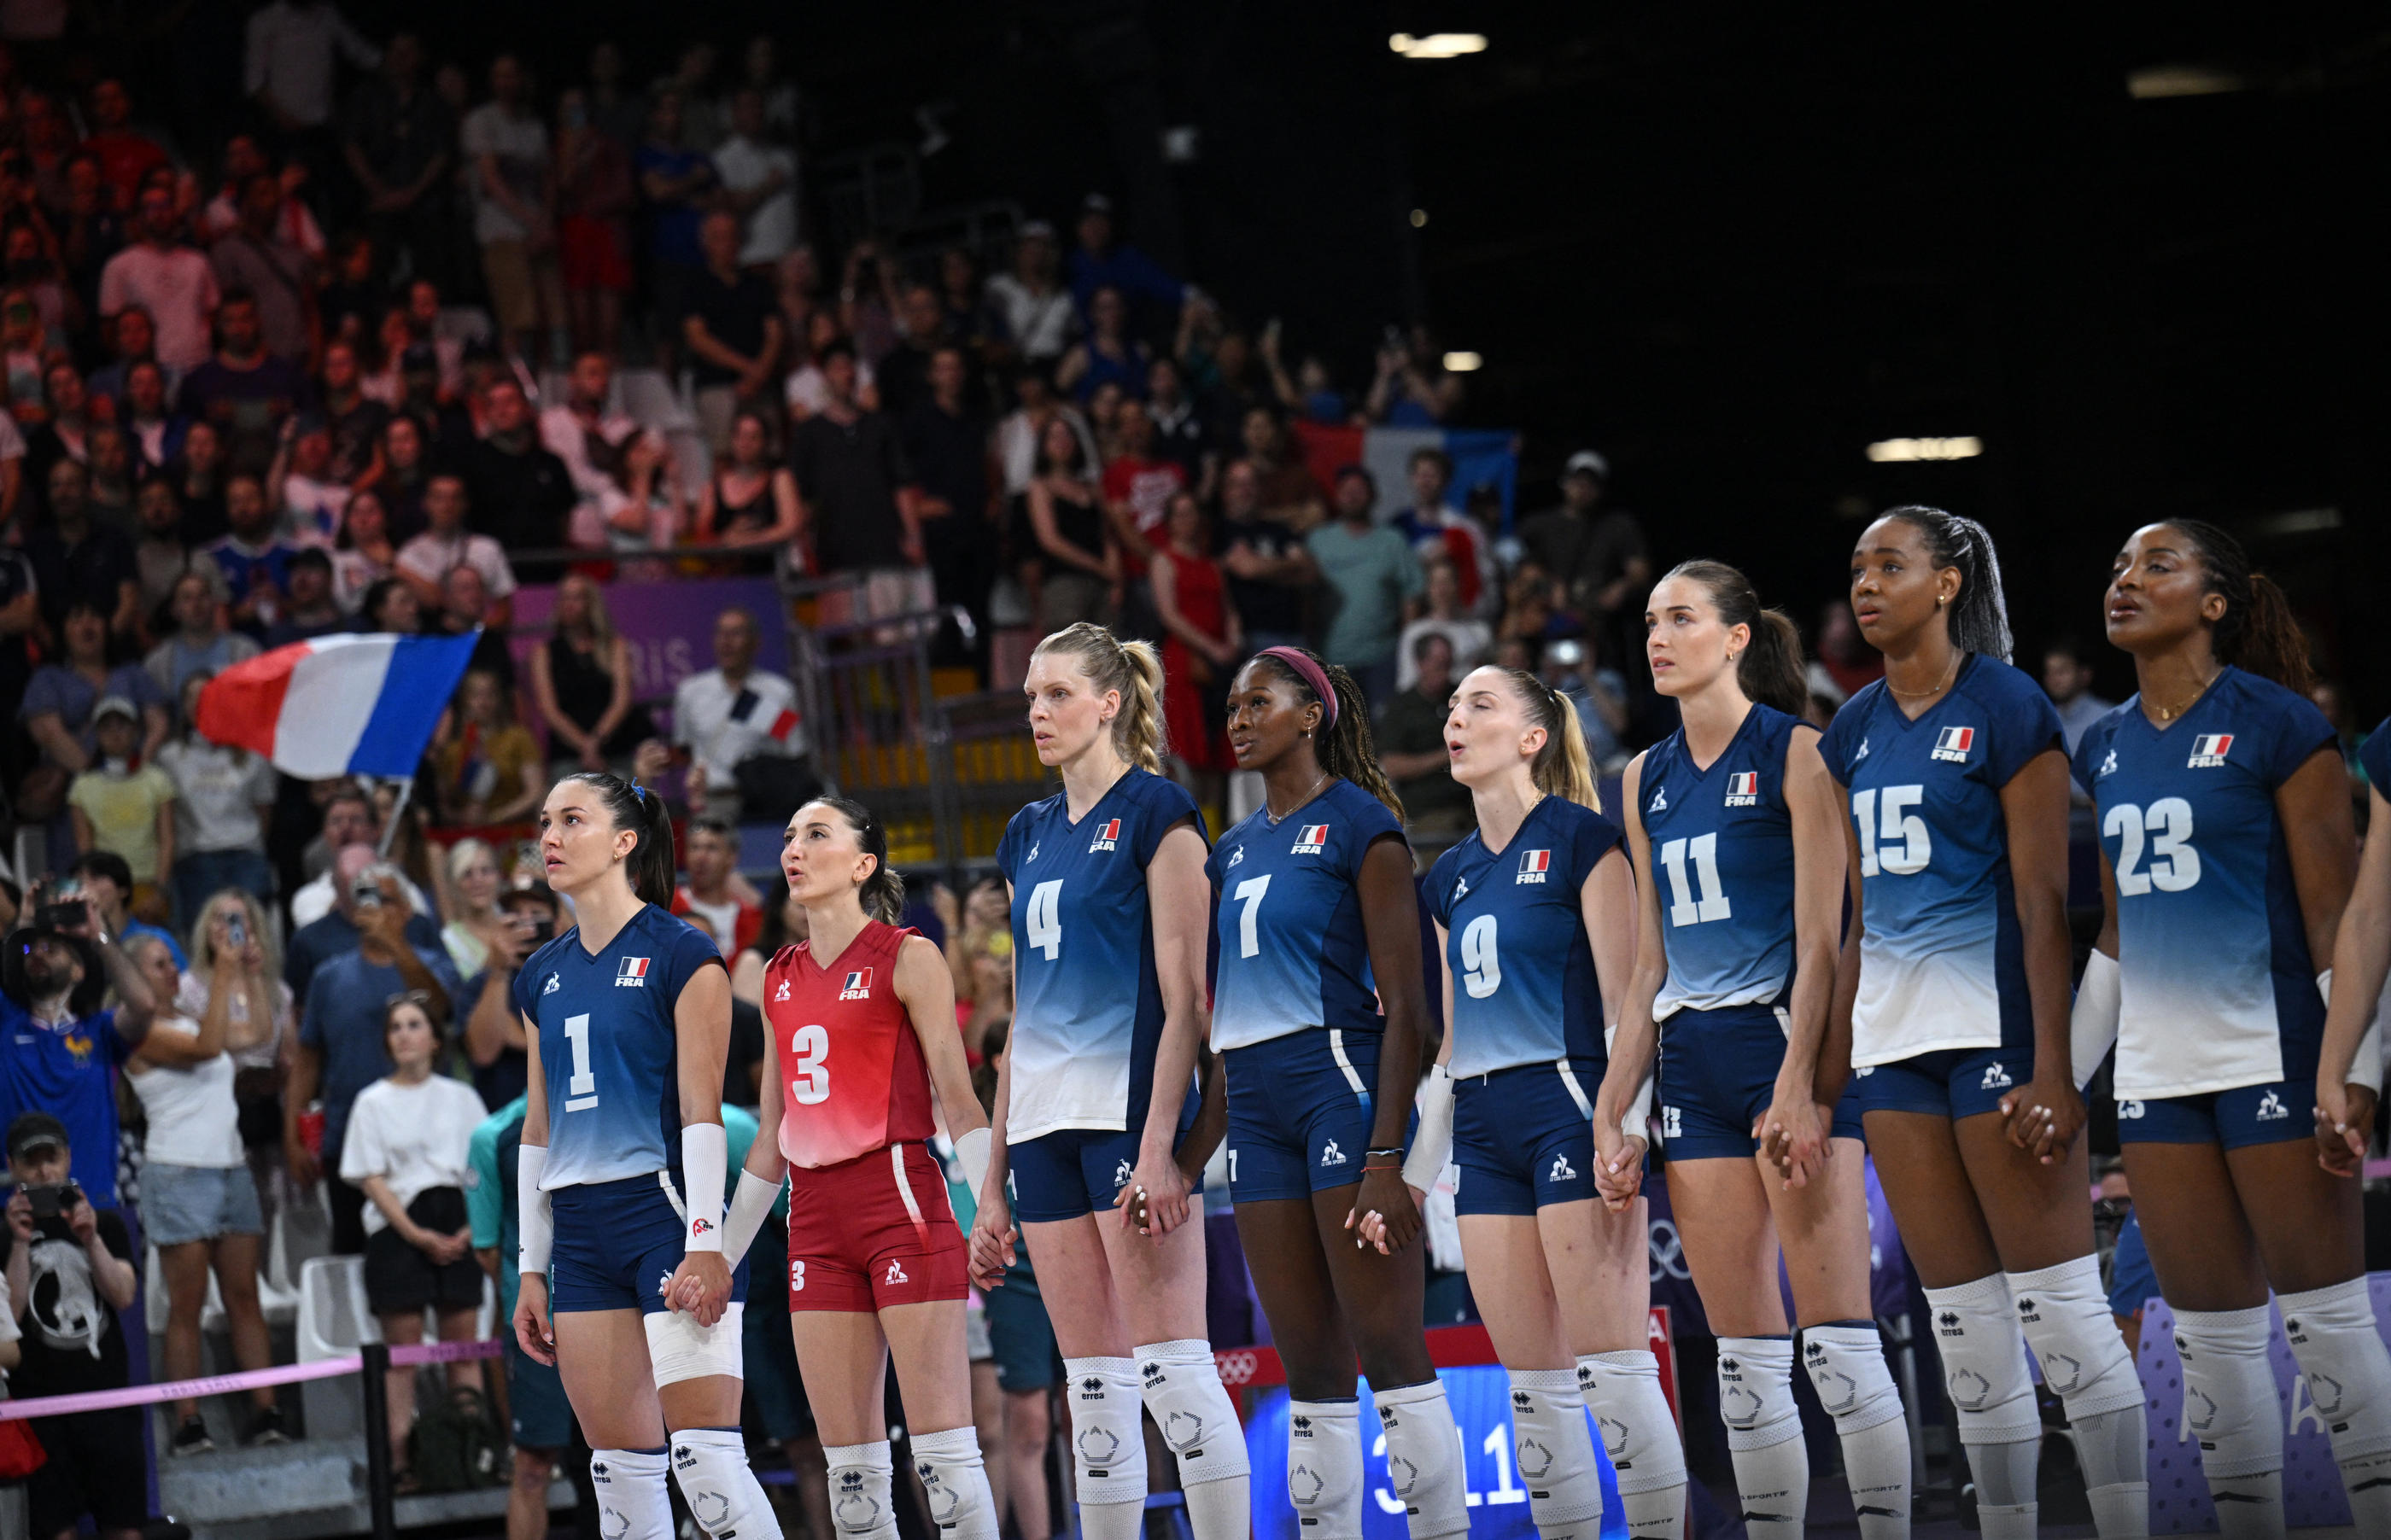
(348, 705)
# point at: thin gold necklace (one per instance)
(1274, 819)
(1920, 695)
(2168, 714)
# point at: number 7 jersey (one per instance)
(2218, 988)
(1942, 962)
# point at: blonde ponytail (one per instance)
(1133, 668)
(1562, 767)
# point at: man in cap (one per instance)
(59, 1046)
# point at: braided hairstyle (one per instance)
(1980, 616)
(650, 867)
(882, 893)
(1347, 749)
(1133, 668)
(1771, 667)
(1562, 767)
(2258, 633)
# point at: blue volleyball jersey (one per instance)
(1287, 909)
(1087, 1010)
(1722, 858)
(2218, 990)
(1942, 964)
(1524, 990)
(608, 1048)
(2374, 758)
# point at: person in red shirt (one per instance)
(714, 899)
(861, 1017)
(125, 154)
(1138, 488)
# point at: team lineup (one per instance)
(1783, 949)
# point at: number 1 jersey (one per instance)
(608, 1048)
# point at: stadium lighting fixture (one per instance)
(1438, 45)
(1462, 363)
(1925, 449)
(2158, 81)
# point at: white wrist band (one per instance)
(752, 1201)
(1432, 1146)
(704, 1165)
(531, 1207)
(972, 1153)
(2092, 1023)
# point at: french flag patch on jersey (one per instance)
(858, 985)
(1311, 840)
(633, 974)
(1105, 836)
(2208, 750)
(1743, 788)
(1533, 865)
(1952, 744)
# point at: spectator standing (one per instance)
(749, 502)
(1439, 531)
(522, 494)
(947, 446)
(108, 882)
(258, 257)
(730, 713)
(581, 682)
(1179, 434)
(1109, 355)
(78, 560)
(119, 808)
(294, 222)
(223, 800)
(1139, 487)
(759, 183)
(1288, 492)
(731, 326)
(261, 1029)
(1411, 744)
(69, 1276)
(1100, 262)
(1022, 429)
(126, 152)
(311, 611)
(1370, 574)
(244, 390)
(174, 285)
(323, 915)
(1270, 569)
(58, 709)
(288, 72)
(595, 195)
(1039, 313)
(362, 553)
(198, 473)
(673, 180)
(1074, 563)
(1413, 387)
(199, 1201)
(255, 561)
(136, 340)
(470, 900)
(489, 769)
(426, 561)
(405, 1148)
(399, 140)
(354, 420)
(1601, 563)
(1202, 642)
(341, 1047)
(711, 895)
(1845, 664)
(807, 392)
(494, 1043)
(200, 643)
(21, 611)
(852, 474)
(905, 372)
(593, 439)
(2067, 679)
(505, 146)
(156, 430)
(59, 1049)
(1471, 638)
(465, 603)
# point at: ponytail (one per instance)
(2258, 634)
(1979, 616)
(1343, 745)
(1562, 767)
(1770, 669)
(650, 869)
(882, 893)
(1133, 668)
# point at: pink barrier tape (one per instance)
(447, 1353)
(224, 1384)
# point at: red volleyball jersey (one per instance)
(851, 1068)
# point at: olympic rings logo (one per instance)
(1236, 1368)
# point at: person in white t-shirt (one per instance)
(733, 711)
(761, 179)
(174, 283)
(508, 164)
(198, 1202)
(406, 1149)
(426, 561)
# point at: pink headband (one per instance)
(1312, 674)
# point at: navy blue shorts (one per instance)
(1299, 1113)
(1718, 1074)
(543, 1417)
(1075, 1171)
(2246, 1115)
(1524, 1136)
(1950, 1082)
(617, 1245)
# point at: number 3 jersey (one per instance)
(608, 1048)
(1942, 964)
(2218, 990)
(1087, 1010)
(1524, 990)
(1722, 856)
(1287, 907)
(850, 1064)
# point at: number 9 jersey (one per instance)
(1941, 963)
(608, 1046)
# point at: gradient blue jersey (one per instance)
(2218, 990)
(608, 1050)
(1087, 1011)
(2374, 758)
(1524, 990)
(1722, 858)
(1288, 910)
(1942, 964)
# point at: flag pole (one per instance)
(390, 829)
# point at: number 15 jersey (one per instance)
(1941, 964)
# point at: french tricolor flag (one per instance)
(1536, 861)
(1744, 783)
(633, 968)
(348, 705)
(1955, 740)
(2212, 745)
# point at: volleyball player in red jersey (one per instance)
(862, 1018)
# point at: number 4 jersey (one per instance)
(2218, 990)
(850, 1064)
(608, 1049)
(1942, 964)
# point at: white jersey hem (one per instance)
(1918, 1050)
(1066, 1125)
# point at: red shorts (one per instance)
(872, 1232)
(589, 253)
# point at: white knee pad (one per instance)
(711, 1466)
(679, 1349)
(1555, 1452)
(861, 1476)
(2064, 1313)
(955, 1478)
(1755, 1380)
(1107, 1443)
(1423, 1458)
(2333, 1335)
(2229, 1390)
(1324, 1468)
(1847, 1365)
(1983, 1362)
(1623, 1391)
(1182, 1387)
(632, 1501)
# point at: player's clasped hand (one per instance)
(2044, 1116)
(1617, 1166)
(2344, 1119)
(1385, 1212)
(700, 1286)
(534, 1333)
(992, 1240)
(1154, 1201)
(1371, 1227)
(1794, 1138)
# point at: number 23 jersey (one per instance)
(608, 1046)
(2218, 988)
(1942, 961)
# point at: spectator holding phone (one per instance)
(494, 1030)
(261, 1025)
(70, 1271)
(59, 1049)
